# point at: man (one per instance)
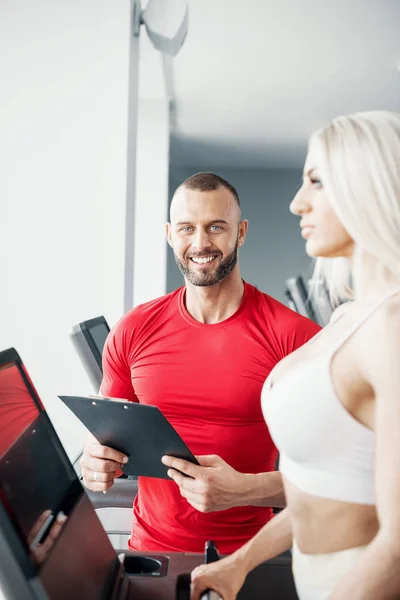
(201, 354)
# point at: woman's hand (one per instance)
(225, 577)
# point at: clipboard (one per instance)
(138, 430)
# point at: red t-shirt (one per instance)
(206, 379)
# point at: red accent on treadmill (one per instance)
(17, 408)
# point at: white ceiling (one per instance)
(255, 77)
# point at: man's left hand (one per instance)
(213, 485)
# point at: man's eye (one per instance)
(215, 228)
(186, 229)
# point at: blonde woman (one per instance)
(333, 406)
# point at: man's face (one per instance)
(205, 232)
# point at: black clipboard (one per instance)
(138, 430)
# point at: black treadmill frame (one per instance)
(19, 563)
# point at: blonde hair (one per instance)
(358, 160)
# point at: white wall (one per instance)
(64, 70)
(274, 249)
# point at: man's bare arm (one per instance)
(214, 485)
(263, 489)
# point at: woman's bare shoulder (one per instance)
(386, 322)
(379, 342)
(340, 310)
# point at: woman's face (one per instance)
(325, 234)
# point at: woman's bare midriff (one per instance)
(320, 525)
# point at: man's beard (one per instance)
(205, 279)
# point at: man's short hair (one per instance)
(208, 182)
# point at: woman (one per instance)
(333, 406)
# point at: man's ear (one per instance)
(168, 233)
(243, 229)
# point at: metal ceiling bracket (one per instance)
(137, 18)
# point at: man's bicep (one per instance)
(116, 382)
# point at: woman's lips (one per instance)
(307, 230)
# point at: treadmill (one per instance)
(316, 306)
(88, 339)
(298, 298)
(52, 544)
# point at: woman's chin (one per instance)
(315, 250)
(312, 249)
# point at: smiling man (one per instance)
(201, 354)
(201, 251)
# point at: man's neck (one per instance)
(215, 303)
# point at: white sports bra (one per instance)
(324, 450)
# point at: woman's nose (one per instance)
(300, 205)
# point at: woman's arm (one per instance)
(227, 576)
(377, 575)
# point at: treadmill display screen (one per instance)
(35, 474)
(17, 408)
(99, 334)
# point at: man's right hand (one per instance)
(100, 465)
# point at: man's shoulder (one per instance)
(272, 305)
(142, 313)
(283, 317)
(137, 323)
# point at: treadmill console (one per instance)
(88, 339)
(52, 544)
